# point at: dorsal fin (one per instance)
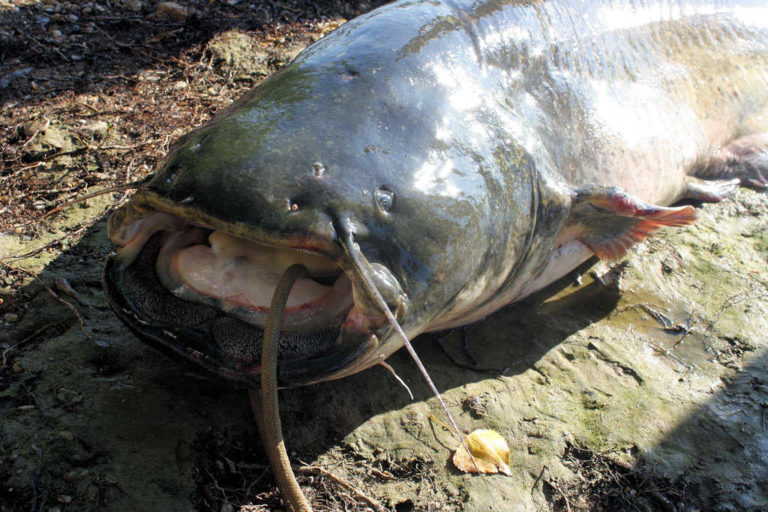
(609, 221)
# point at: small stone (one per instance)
(66, 435)
(53, 137)
(64, 499)
(75, 474)
(97, 129)
(31, 128)
(134, 5)
(238, 49)
(11, 317)
(5, 81)
(172, 10)
(181, 84)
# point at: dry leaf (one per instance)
(490, 450)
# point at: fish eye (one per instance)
(384, 199)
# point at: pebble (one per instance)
(66, 435)
(181, 84)
(97, 129)
(172, 10)
(5, 81)
(134, 5)
(75, 474)
(11, 317)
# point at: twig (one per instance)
(218, 487)
(378, 507)
(36, 480)
(555, 487)
(662, 350)
(397, 377)
(20, 170)
(34, 252)
(117, 188)
(22, 342)
(53, 294)
(71, 308)
(445, 426)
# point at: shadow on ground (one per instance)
(604, 403)
(99, 420)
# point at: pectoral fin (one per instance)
(609, 221)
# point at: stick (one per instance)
(378, 507)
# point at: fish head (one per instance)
(314, 166)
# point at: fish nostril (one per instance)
(318, 169)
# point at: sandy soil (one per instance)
(644, 387)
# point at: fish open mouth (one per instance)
(205, 294)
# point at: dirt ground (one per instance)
(642, 385)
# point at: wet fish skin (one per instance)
(453, 138)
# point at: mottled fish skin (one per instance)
(477, 120)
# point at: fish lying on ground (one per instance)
(458, 155)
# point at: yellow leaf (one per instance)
(490, 451)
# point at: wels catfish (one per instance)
(445, 158)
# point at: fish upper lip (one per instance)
(322, 241)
